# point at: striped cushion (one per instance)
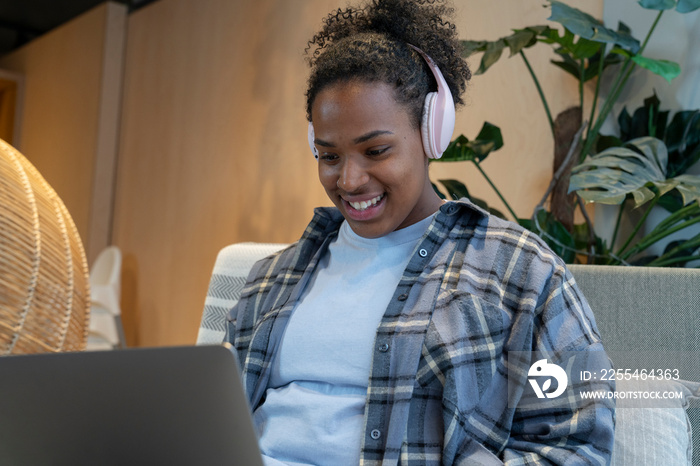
(230, 273)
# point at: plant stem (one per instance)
(539, 91)
(515, 217)
(673, 260)
(617, 87)
(692, 243)
(620, 82)
(636, 228)
(594, 104)
(653, 238)
(681, 214)
(591, 234)
(617, 224)
(575, 144)
(580, 85)
(651, 30)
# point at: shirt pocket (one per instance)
(464, 342)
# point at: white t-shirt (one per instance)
(313, 412)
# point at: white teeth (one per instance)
(364, 204)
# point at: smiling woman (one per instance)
(400, 328)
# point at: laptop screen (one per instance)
(174, 405)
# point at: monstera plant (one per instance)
(646, 166)
(590, 167)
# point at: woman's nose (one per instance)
(353, 175)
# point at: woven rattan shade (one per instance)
(44, 282)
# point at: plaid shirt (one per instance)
(476, 288)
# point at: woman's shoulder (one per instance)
(510, 245)
(493, 227)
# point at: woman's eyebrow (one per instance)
(358, 140)
(370, 135)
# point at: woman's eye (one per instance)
(377, 151)
(328, 157)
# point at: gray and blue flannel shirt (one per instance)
(476, 288)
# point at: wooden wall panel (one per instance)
(72, 79)
(213, 149)
(213, 139)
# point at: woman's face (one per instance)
(371, 159)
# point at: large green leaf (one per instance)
(586, 26)
(584, 48)
(682, 6)
(653, 149)
(581, 49)
(664, 68)
(686, 6)
(689, 187)
(683, 141)
(658, 4)
(520, 39)
(647, 120)
(470, 47)
(490, 133)
(610, 176)
(583, 52)
(593, 68)
(681, 135)
(455, 189)
(491, 55)
(672, 202)
(684, 130)
(569, 65)
(462, 149)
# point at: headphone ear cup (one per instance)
(311, 136)
(427, 129)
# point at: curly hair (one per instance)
(371, 44)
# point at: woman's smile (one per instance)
(364, 210)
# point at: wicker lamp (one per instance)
(44, 282)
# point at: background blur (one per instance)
(173, 128)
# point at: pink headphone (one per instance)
(437, 121)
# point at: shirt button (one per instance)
(384, 347)
(423, 253)
(402, 297)
(375, 434)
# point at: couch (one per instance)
(649, 318)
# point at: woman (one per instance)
(389, 332)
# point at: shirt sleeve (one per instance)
(576, 426)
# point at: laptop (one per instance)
(145, 406)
